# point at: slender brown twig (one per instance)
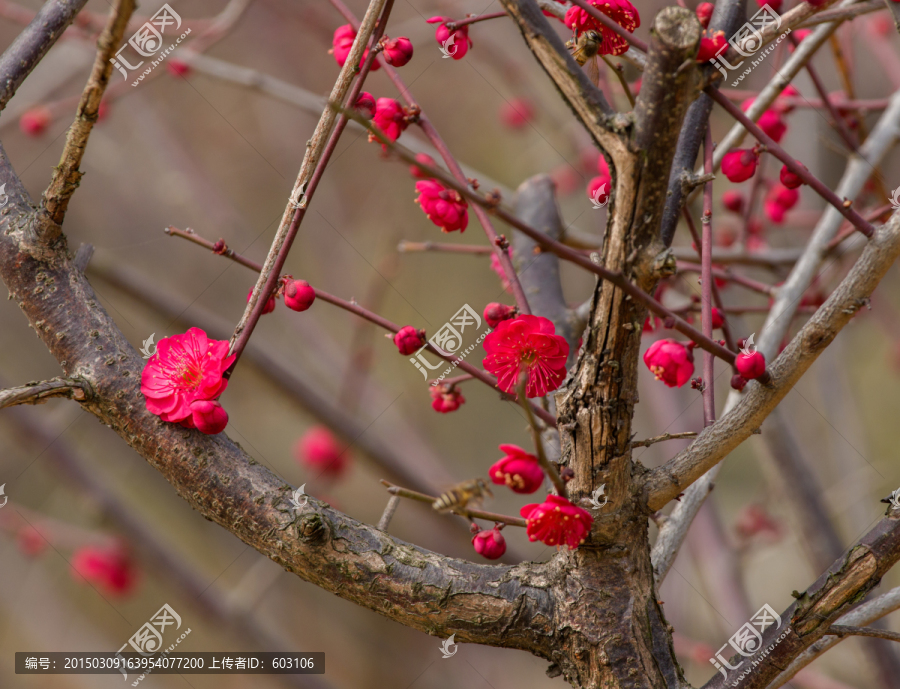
(477, 514)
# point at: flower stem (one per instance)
(478, 514)
(545, 463)
(358, 310)
(453, 26)
(843, 207)
(557, 248)
(706, 285)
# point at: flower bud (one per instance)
(751, 365)
(398, 51)
(718, 320)
(738, 382)
(365, 105)
(740, 164)
(446, 398)
(733, 201)
(409, 340)
(298, 295)
(772, 124)
(178, 68)
(489, 544)
(208, 416)
(517, 113)
(704, 13)
(494, 313)
(35, 121)
(270, 305)
(711, 45)
(789, 179)
(425, 159)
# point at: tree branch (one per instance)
(33, 43)
(66, 175)
(503, 606)
(848, 580)
(38, 393)
(716, 441)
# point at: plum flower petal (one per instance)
(557, 521)
(185, 368)
(527, 344)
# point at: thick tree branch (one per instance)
(865, 614)
(848, 580)
(585, 99)
(503, 606)
(716, 441)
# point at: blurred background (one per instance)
(215, 146)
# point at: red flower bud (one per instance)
(398, 51)
(772, 124)
(444, 207)
(670, 361)
(774, 4)
(390, 118)
(789, 90)
(789, 179)
(319, 451)
(341, 44)
(516, 113)
(454, 44)
(208, 416)
(740, 164)
(178, 68)
(718, 320)
(779, 201)
(704, 13)
(733, 201)
(738, 382)
(35, 121)
(425, 159)
(518, 469)
(489, 544)
(446, 398)
(298, 295)
(365, 105)
(409, 340)
(270, 305)
(495, 313)
(711, 45)
(30, 541)
(751, 365)
(110, 568)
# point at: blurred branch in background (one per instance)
(170, 566)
